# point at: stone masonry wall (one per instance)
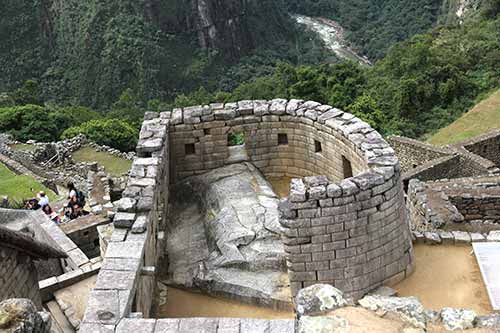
(263, 122)
(126, 282)
(486, 146)
(413, 153)
(18, 276)
(293, 138)
(479, 207)
(353, 234)
(356, 236)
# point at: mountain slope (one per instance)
(484, 117)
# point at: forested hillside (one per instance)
(88, 52)
(96, 66)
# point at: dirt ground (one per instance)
(181, 304)
(76, 295)
(446, 276)
(280, 185)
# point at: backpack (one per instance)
(81, 198)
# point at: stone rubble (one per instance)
(457, 319)
(18, 315)
(409, 309)
(317, 299)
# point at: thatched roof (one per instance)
(23, 243)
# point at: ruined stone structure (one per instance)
(348, 227)
(18, 275)
(464, 159)
(453, 191)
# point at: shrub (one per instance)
(110, 132)
(28, 122)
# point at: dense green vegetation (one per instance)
(420, 86)
(374, 26)
(111, 132)
(95, 67)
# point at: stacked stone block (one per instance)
(206, 129)
(353, 234)
(486, 146)
(18, 276)
(126, 281)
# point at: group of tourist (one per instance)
(72, 210)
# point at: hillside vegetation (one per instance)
(484, 117)
(95, 67)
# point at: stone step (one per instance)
(59, 321)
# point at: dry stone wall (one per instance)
(126, 281)
(413, 153)
(486, 146)
(348, 227)
(352, 234)
(281, 138)
(18, 276)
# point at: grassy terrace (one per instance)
(20, 187)
(22, 147)
(483, 118)
(116, 166)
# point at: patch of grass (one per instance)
(22, 147)
(20, 187)
(484, 117)
(114, 165)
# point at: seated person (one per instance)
(74, 209)
(73, 192)
(43, 199)
(32, 204)
(53, 215)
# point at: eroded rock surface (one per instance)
(19, 315)
(318, 299)
(224, 237)
(458, 319)
(409, 309)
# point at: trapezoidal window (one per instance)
(189, 149)
(346, 167)
(317, 147)
(282, 139)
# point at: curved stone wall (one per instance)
(349, 227)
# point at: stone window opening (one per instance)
(282, 139)
(346, 167)
(235, 139)
(206, 131)
(485, 149)
(317, 147)
(189, 149)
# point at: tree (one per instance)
(111, 132)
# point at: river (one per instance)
(332, 34)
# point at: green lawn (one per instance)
(116, 166)
(20, 187)
(484, 117)
(23, 147)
